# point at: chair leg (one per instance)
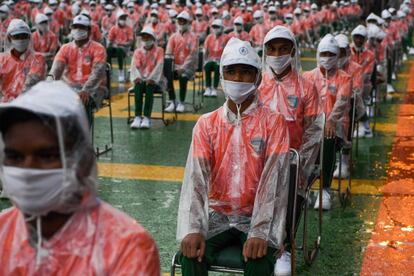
(129, 108)
(111, 120)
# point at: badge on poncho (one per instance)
(243, 51)
(293, 101)
(257, 144)
(332, 89)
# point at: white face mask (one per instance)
(148, 44)
(280, 63)
(79, 34)
(238, 92)
(272, 16)
(259, 20)
(20, 45)
(328, 62)
(181, 28)
(154, 20)
(342, 61)
(217, 32)
(122, 22)
(35, 192)
(288, 21)
(238, 28)
(44, 28)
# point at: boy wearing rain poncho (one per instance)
(334, 87)
(285, 91)
(20, 66)
(58, 226)
(235, 185)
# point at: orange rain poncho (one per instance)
(97, 239)
(297, 100)
(237, 171)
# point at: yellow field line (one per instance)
(386, 127)
(141, 172)
(176, 174)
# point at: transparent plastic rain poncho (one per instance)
(334, 88)
(356, 72)
(19, 74)
(97, 239)
(236, 174)
(297, 100)
(82, 68)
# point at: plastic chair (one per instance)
(158, 94)
(228, 260)
(106, 103)
(198, 82)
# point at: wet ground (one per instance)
(142, 176)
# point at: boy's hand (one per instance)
(193, 246)
(254, 248)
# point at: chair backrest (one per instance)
(169, 67)
(108, 73)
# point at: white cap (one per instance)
(328, 44)
(297, 11)
(162, 2)
(148, 30)
(239, 52)
(85, 12)
(48, 11)
(314, 6)
(53, 2)
(381, 34)
(120, 13)
(272, 9)
(81, 20)
(258, 14)
(401, 14)
(392, 10)
(238, 20)
(184, 15)
(217, 22)
(4, 9)
(154, 12)
(288, 16)
(343, 41)
(279, 32)
(130, 4)
(250, 9)
(18, 26)
(385, 14)
(373, 31)
(92, 3)
(372, 16)
(40, 18)
(225, 14)
(306, 9)
(199, 11)
(360, 30)
(214, 10)
(109, 7)
(172, 13)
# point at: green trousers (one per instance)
(330, 148)
(139, 90)
(89, 110)
(118, 53)
(209, 68)
(263, 266)
(182, 80)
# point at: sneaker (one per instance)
(121, 76)
(146, 122)
(136, 123)
(394, 76)
(411, 51)
(368, 133)
(360, 132)
(207, 93)
(404, 57)
(170, 108)
(344, 170)
(213, 92)
(283, 265)
(180, 107)
(390, 88)
(326, 201)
